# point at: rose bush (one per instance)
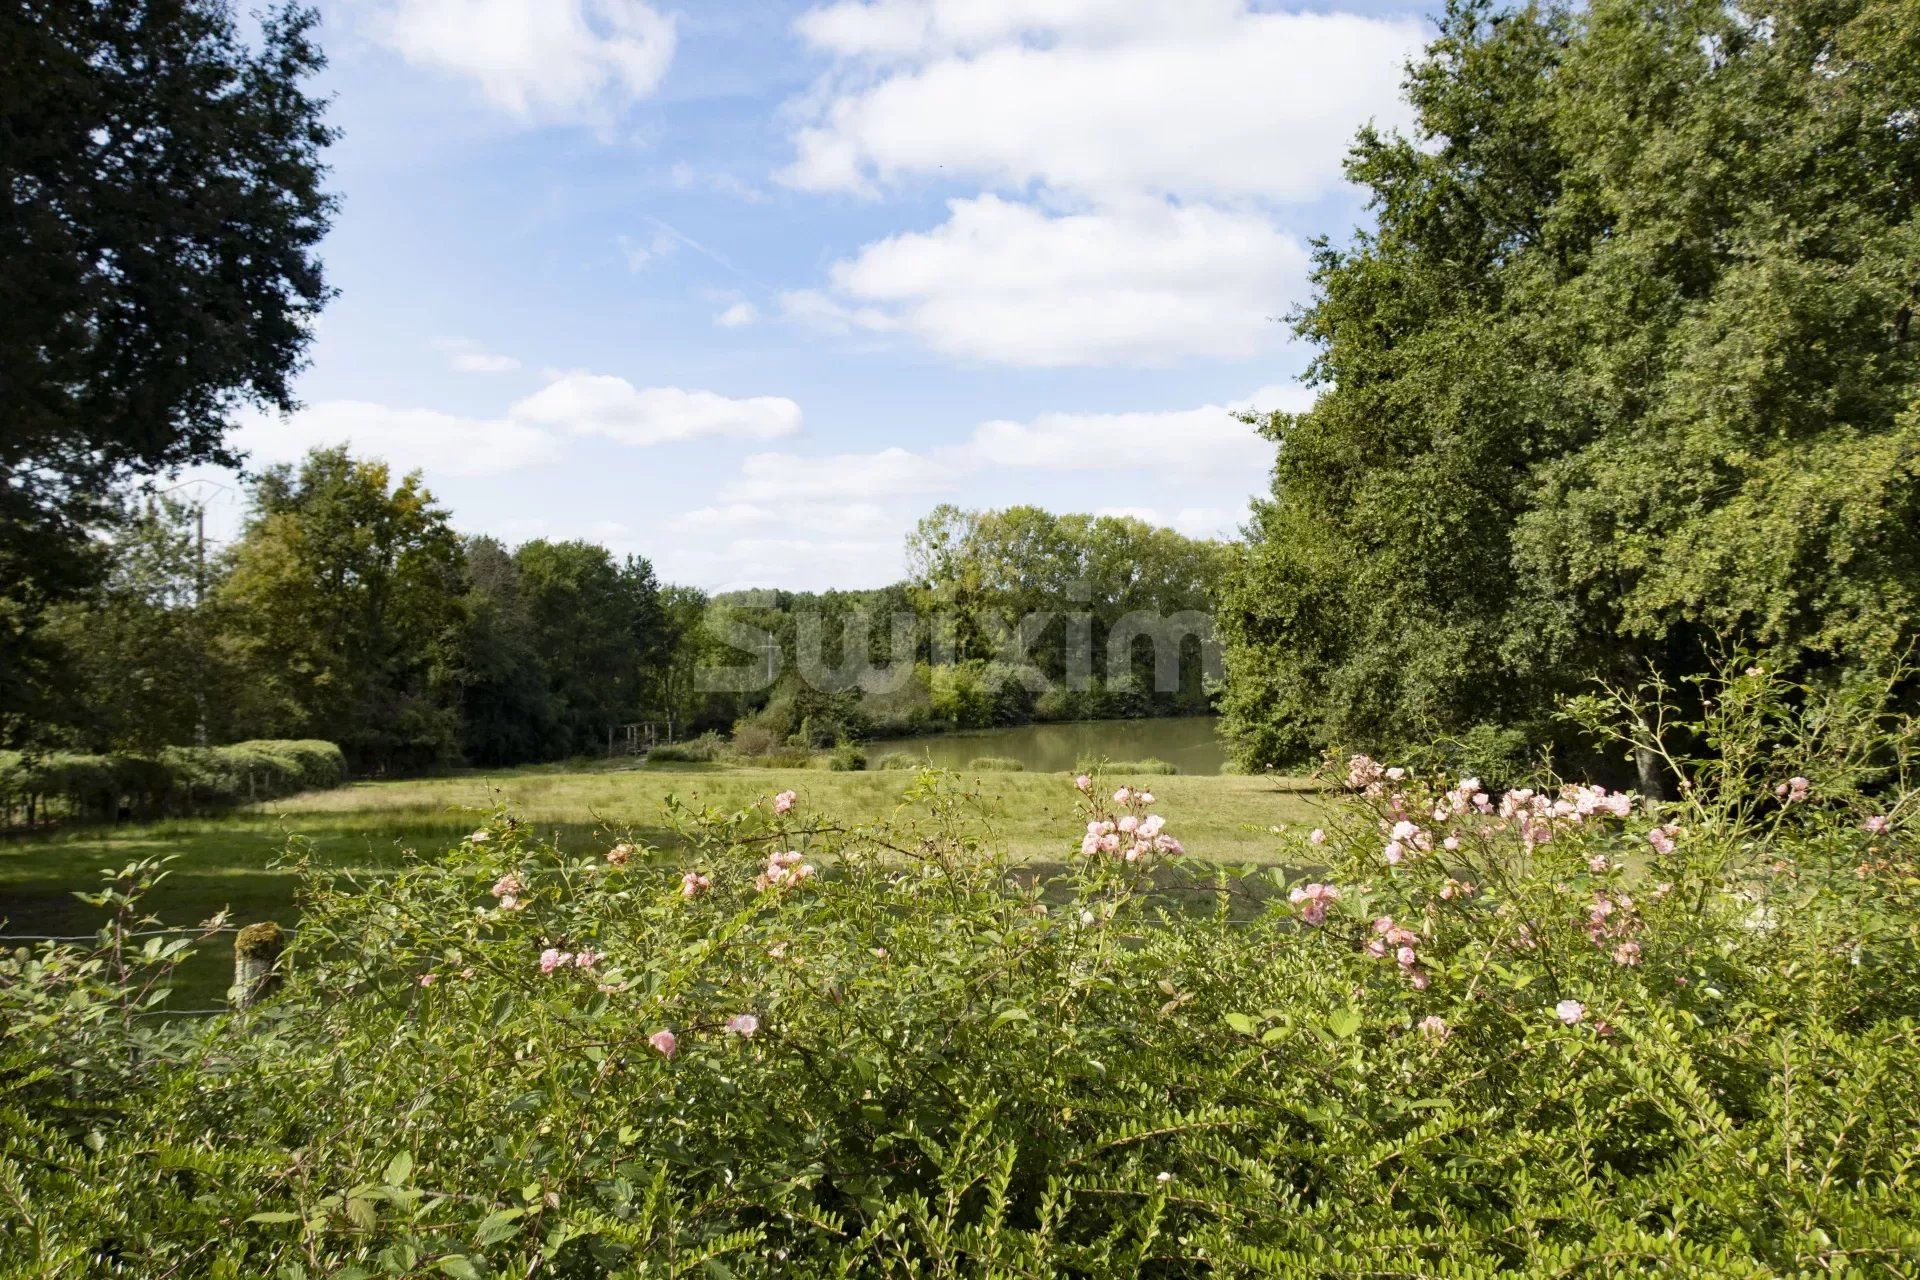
(1552, 1030)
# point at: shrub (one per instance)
(995, 764)
(704, 749)
(1551, 1032)
(846, 758)
(900, 760)
(750, 739)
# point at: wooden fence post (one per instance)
(256, 963)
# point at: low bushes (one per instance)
(178, 780)
(1552, 1031)
(995, 764)
(705, 749)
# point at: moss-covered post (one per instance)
(256, 963)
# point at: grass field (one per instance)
(226, 862)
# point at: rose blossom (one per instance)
(784, 801)
(664, 1043)
(1435, 1027)
(1569, 1011)
(743, 1025)
(693, 884)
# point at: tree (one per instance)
(344, 602)
(599, 631)
(1626, 365)
(162, 208)
(139, 662)
(508, 714)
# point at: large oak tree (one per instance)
(161, 201)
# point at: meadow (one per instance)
(229, 862)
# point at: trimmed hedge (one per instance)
(38, 786)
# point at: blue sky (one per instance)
(747, 287)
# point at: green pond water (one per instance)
(1189, 743)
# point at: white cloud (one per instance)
(1195, 522)
(1188, 452)
(639, 254)
(1206, 440)
(782, 477)
(568, 60)
(409, 439)
(1203, 99)
(600, 404)
(797, 564)
(464, 355)
(1003, 281)
(737, 316)
(844, 518)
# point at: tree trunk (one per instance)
(1652, 772)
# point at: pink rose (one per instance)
(664, 1043)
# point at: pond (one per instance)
(1189, 743)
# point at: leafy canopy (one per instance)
(1628, 360)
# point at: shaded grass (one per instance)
(227, 862)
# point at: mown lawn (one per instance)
(227, 862)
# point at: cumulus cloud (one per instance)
(603, 405)
(844, 518)
(1006, 282)
(1206, 449)
(1202, 99)
(797, 564)
(409, 439)
(562, 60)
(1136, 160)
(1209, 439)
(464, 355)
(778, 477)
(737, 316)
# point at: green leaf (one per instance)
(399, 1169)
(459, 1267)
(1240, 1022)
(274, 1218)
(1343, 1022)
(497, 1226)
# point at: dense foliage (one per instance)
(1554, 1030)
(1628, 360)
(160, 206)
(37, 786)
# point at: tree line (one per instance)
(348, 609)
